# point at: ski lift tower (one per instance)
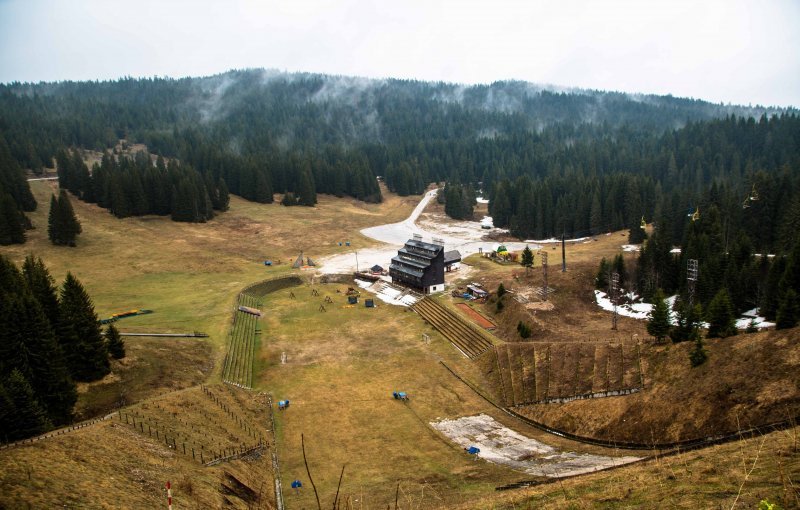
(691, 278)
(614, 292)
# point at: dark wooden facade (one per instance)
(419, 265)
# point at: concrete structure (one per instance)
(419, 265)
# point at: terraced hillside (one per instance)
(465, 337)
(546, 372)
(238, 368)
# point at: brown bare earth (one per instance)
(479, 319)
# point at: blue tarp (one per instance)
(297, 484)
(472, 450)
(267, 262)
(352, 300)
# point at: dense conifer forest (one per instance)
(49, 338)
(721, 181)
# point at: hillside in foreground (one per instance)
(340, 368)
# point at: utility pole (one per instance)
(614, 292)
(544, 274)
(563, 253)
(356, 252)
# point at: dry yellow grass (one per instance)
(342, 366)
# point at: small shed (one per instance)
(376, 269)
(352, 300)
(369, 303)
(475, 291)
(452, 260)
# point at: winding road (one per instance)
(466, 237)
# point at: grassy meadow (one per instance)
(341, 366)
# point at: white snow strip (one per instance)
(675, 250)
(631, 247)
(501, 445)
(481, 200)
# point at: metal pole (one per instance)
(544, 274)
(563, 253)
(614, 291)
(356, 252)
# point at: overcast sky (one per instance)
(723, 50)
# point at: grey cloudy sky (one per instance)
(722, 50)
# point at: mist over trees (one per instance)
(552, 162)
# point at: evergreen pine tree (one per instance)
(527, 258)
(789, 311)
(25, 416)
(721, 321)
(116, 346)
(223, 196)
(88, 358)
(62, 225)
(501, 291)
(618, 266)
(305, 187)
(42, 286)
(601, 279)
(184, 203)
(688, 319)
(658, 323)
(70, 226)
(11, 229)
(698, 355)
(49, 377)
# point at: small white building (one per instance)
(452, 260)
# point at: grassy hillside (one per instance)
(341, 366)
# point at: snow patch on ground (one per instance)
(481, 200)
(631, 247)
(386, 293)
(501, 445)
(640, 310)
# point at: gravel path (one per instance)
(465, 236)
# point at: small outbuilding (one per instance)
(376, 269)
(476, 292)
(452, 260)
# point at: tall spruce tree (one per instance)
(11, 221)
(87, 357)
(116, 346)
(62, 225)
(47, 367)
(658, 323)
(720, 317)
(527, 258)
(21, 414)
(789, 311)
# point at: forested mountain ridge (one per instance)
(549, 153)
(310, 110)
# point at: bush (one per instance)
(524, 330)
